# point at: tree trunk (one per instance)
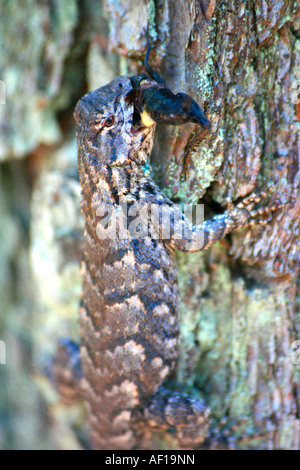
(238, 301)
(240, 325)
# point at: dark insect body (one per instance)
(129, 314)
(156, 103)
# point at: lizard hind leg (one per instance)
(65, 371)
(187, 418)
(61, 389)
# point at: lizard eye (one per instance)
(109, 121)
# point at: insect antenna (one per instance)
(153, 74)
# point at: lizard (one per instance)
(129, 313)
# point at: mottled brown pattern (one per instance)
(129, 312)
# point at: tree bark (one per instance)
(240, 299)
(239, 314)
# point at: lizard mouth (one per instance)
(137, 125)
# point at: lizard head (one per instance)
(109, 130)
(116, 123)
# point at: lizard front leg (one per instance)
(202, 236)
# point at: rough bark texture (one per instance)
(239, 300)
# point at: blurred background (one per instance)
(52, 52)
(241, 298)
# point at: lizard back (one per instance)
(129, 306)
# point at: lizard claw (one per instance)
(255, 198)
(246, 214)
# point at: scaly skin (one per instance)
(129, 315)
